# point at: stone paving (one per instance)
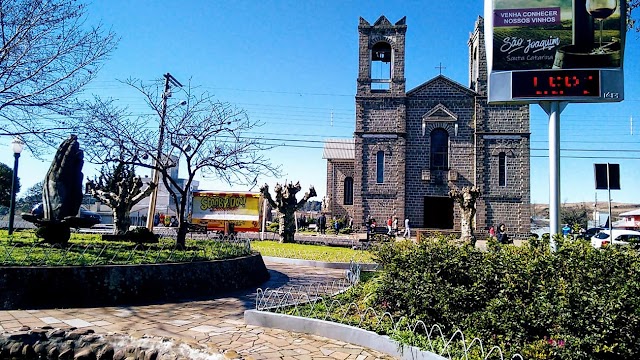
(216, 323)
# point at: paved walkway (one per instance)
(217, 323)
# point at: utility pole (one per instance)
(168, 81)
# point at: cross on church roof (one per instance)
(441, 67)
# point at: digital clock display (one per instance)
(555, 84)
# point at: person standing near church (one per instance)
(503, 238)
(407, 231)
(394, 226)
(389, 222)
(322, 223)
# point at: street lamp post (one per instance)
(17, 145)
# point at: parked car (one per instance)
(38, 211)
(589, 233)
(620, 237)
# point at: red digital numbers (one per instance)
(555, 83)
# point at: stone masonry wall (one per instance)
(461, 150)
(106, 285)
(337, 171)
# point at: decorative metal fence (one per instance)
(286, 296)
(317, 301)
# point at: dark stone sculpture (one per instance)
(466, 199)
(62, 195)
(287, 205)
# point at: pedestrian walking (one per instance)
(389, 222)
(407, 231)
(394, 226)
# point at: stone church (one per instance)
(410, 148)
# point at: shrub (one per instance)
(273, 227)
(575, 303)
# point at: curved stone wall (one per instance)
(86, 286)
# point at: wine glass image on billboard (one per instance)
(600, 10)
(597, 35)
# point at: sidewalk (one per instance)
(218, 322)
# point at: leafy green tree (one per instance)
(574, 215)
(6, 176)
(31, 197)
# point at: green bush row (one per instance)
(575, 303)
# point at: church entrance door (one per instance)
(438, 212)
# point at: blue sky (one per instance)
(293, 65)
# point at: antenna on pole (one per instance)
(331, 117)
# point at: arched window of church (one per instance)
(502, 169)
(380, 167)
(348, 190)
(381, 66)
(439, 149)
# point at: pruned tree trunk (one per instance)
(120, 197)
(121, 219)
(466, 199)
(287, 205)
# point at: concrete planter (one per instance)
(107, 285)
(336, 331)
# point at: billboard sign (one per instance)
(214, 209)
(569, 50)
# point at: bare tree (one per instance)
(631, 22)
(47, 56)
(201, 134)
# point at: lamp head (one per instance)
(17, 145)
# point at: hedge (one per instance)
(575, 303)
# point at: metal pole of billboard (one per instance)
(609, 198)
(554, 109)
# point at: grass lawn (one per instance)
(24, 248)
(311, 252)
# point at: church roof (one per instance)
(336, 149)
(443, 78)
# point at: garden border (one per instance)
(337, 331)
(108, 285)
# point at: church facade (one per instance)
(410, 148)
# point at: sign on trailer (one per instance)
(215, 209)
